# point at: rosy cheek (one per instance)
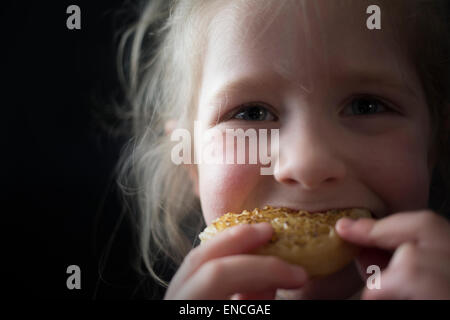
(225, 188)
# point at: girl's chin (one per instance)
(343, 284)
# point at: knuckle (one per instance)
(410, 265)
(239, 231)
(428, 219)
(193, 255)
(212, 271)
(275, 264)
(410, 271)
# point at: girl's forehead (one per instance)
(252, 23)
(295, 39)
(258, 15)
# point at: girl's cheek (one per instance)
(399, 172)
(225, 188)
(405, 188)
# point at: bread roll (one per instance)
(302, 238)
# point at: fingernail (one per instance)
(344, 223)
(261, 230)
(299, 274)
(262, 226)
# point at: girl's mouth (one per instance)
(327, 209)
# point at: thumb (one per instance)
(371, 256)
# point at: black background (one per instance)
(59, 149)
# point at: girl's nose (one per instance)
(308, 157)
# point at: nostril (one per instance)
(289, 181)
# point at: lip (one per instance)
(321, 209)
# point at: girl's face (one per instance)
(354, 129)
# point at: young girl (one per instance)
(362, 118)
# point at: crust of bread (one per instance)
(306, 239)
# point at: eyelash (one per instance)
(371, 99)
(246, 106)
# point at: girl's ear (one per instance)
(169, 126)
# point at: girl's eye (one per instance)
(365, 106)
(254, 112)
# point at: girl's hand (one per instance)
(222, 267)
(420, 264)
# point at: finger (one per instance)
(246, 274)
(413, 273)
(425, 228)
(416, 262)
(390, 282)
(264, 295)
(235, 240)
(395, 289)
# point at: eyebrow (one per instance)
(264, 81)
(255, 82)
(384, 79)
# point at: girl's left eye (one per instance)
(365, 106)
(254, 112)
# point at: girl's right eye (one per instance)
(254, 112)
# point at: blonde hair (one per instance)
(160, 67)
(160, 80)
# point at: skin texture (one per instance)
(306, 76)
